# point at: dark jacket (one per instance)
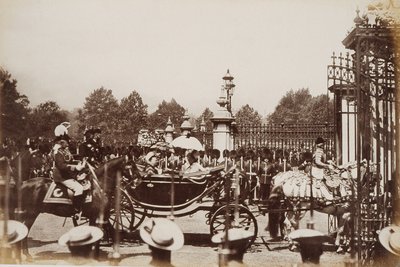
(63, 169)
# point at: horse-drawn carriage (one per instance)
(171, 194)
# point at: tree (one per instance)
(132, 116)
(247, 115)
(44, 118)
(14, 108)
(291, 107)
(207, 115)
(171, 109)
(100, 110)
(319, 110)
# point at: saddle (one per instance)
(60, 194)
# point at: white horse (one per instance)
(298, 191)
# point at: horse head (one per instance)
(106, 174)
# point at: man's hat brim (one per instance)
(384, 237)
(173, 229)
(234, 234)
(309, 236)
(16, 229)
(95, 235)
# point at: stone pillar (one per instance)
(222, 123)
(169, 132)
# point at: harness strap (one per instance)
(95, 179)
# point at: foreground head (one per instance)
(389, 237)
(162, 233)
(310, 243)
(238, 240)
(80, 240)
(16, 231)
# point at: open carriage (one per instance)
(171, 194)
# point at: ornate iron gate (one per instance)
(364, 85)
(284, 136)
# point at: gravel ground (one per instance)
(197, 251)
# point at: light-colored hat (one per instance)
(66, 124)
(61, 129)
(390, 239)
(309, 236)
(149, 156)
(234, 234)
(80, 236)
(16, 231)
(162, 233)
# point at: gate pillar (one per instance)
(223, 118)
(222, 123)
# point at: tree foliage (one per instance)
(301, 107)
(132, 116)
(44, 118)
(159, 118)
(100, 110)
(207, 115)
(14, 108)
(247, 115)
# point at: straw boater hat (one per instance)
(162, 233)
(309, 236)
(390, 239)
(234, 234)
(16, 231)
(80, 236)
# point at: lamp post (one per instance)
(203, 132)
(229, 87)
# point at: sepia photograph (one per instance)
(199, 133)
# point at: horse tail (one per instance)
(274, 216)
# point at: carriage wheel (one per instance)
(245, 221)
(128, 220)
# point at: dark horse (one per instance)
(33, 192)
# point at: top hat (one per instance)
(234, 234)
(88, 132)
(319, 140)
(309, 236)
(80, 236)
(389, 237)
(16, 231)
(162, 233)
(64, 137)
(96, 130)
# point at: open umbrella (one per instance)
(186, 142)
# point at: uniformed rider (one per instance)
(320, 163)
(66, 170)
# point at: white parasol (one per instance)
(187, 143)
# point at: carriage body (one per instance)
(170, 194)
(154, 192)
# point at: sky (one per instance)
(63, 50)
